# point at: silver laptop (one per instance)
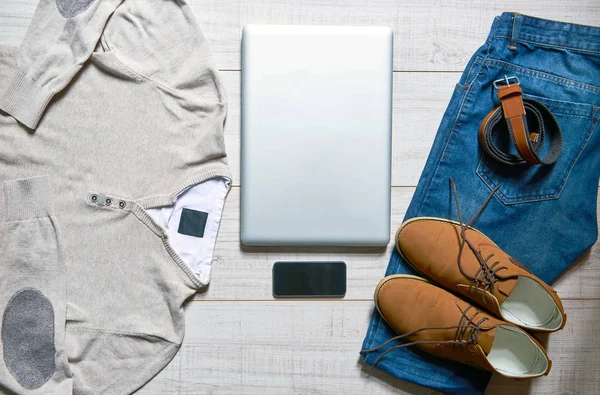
(316, 135)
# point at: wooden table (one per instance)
(239, 339)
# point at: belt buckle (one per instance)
(506, 81)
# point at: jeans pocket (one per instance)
(471, 71)
(533, 183)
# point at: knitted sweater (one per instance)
(117, 107)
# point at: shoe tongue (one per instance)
(486, 339)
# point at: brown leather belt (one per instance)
(521, 116)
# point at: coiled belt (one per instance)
(521, 116)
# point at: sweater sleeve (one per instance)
(61, 37)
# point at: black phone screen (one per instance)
(313, 279)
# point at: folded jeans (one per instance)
(530, 216)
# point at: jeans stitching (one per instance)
(483, 172)
(477, 63)
(549, 45)
(516, 23)
(583, 146)
(459, 113)
(540, 74)
(450, 133)
(561, 107)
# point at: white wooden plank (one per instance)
(312, 348)
(245, 274)
(15, 17)
(429, 34)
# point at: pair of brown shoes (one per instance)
(466, 262)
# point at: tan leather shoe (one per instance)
(464, 260)
(444, 325)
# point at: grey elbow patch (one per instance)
(72, 8)
(28, 338)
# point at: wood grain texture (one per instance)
(428, 34)
(312, 348)
(15, 16)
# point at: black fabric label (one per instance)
(192, 222)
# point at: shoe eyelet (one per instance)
(122, 204)
(108, 201)
(94, 198)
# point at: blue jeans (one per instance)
(544, 216)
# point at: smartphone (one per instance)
(309, 279)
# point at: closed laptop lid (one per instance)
(316, 135)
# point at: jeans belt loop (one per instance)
(515, 31)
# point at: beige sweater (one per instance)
(119, 108)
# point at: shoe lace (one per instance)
(467, 333)
(487, 275)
